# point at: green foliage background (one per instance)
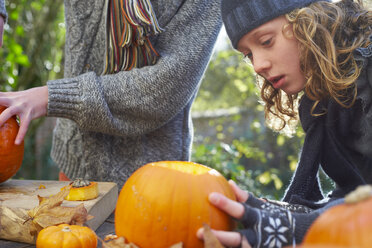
(240, 146)
(32, 54)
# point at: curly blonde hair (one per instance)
(328, 33)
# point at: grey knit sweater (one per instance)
(110, 125)
(3, 10)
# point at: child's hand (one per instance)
(241, 195)
(228, 239)
(232, 208)
(27, 105)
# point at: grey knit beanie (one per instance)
(241, 16)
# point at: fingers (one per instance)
(247, 215)
(6, 101)
(241, 195)
(25, 121)
(236, 210)
(229, 239)
(4, 116)
(232, 208)
(27, 105)
(22, 132)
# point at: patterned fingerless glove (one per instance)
(268, 225)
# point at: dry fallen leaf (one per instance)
(49, 212)
(13, 225)
(109, 237)
(210, 240)
(113, 241)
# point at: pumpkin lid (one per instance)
(361, 193)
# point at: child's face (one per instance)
(275, 56)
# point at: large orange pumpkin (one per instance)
(345, 225)
(11, 155)
(166, 202)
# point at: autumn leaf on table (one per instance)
(210, 240)
(49, 212)
(113, 241)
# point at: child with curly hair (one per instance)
(314, 63)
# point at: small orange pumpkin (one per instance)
(11, 155)
(66, 236)
(166, 202)
(345, 225)
(82, 190)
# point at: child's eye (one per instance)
(266, 42)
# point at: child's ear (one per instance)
(287, 31)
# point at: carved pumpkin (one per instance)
(82, 190)
(65, 236)
(166, 202)
(345, 225)
(11, 155)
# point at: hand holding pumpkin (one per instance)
(11, 156)
(232, 208)
(27, 105)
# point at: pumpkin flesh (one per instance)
(165, 203)
(83, 193)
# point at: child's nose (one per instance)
(260, 65)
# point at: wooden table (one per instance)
(22, 194)
(108, 227)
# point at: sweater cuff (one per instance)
(64, 98)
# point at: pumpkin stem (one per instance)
(359, 194)
(79, 182)
(66, 229)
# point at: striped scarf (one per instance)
(129, 25)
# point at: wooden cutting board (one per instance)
(22, 194)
